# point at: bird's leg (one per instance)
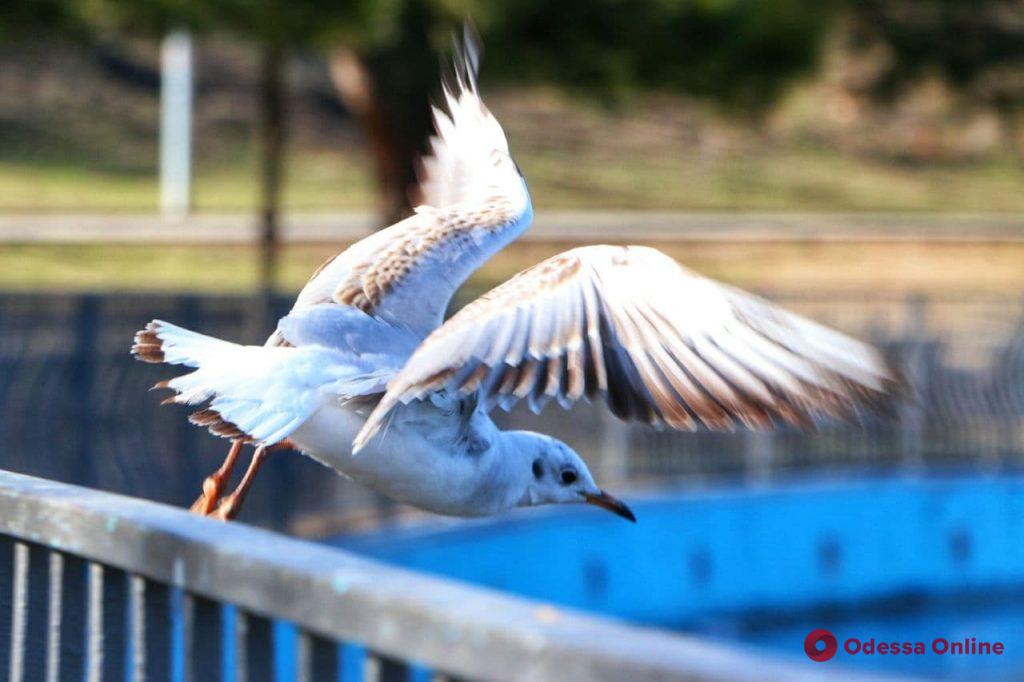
(232, 504)
(215, 483)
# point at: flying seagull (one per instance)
(365, 376)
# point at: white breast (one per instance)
(408, 462)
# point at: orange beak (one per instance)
(611, 503)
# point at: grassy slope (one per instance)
(655, 153)
(71, 153)
(814, 179)
(879, 269)
(316, 182)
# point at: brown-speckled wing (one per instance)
(661, 344)
(436, 235)
(474, 202)
(408, 273)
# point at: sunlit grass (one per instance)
(815, 180)
(313, 182)
(792, 180)
(898, 269)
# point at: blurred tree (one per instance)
(977, 47)
(275, 27)
(739, 53)
(382, 55)
(387, 83)
(20, 19)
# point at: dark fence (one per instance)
(74, 406)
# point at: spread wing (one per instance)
(468, 155)
(474, 203)
(660, 343)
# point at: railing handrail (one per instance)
(466, 631)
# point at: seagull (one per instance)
(365, 376)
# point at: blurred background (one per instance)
(861, 162)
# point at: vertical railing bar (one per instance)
(188, 618)
(304, 657)
(6, 585)
(317, 658)
(159, 635)
(207, 650)
(383, 668)
(53, 617)
(241, 646)
(116, 640)
(254, 648)
(94, 624)
(19, 612)
(228, 656)
(73, 618)
(137, 627)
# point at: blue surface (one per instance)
(901, 559)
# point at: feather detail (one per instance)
(256, 393)
(663, 345)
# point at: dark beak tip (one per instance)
(612, 504)
(627, 514)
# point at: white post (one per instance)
(176, 125)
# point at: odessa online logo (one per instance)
(820, 645)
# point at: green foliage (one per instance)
(280, 22)
(21, 18)
(738, 52)
(977, 46)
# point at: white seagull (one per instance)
(365, 376)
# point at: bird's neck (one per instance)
(513, 465)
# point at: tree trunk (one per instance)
(388, 91)
(272, 133)
(354, 84)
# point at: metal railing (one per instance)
(97, 586)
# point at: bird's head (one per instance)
(554, 474)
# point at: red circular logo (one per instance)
(820, 645)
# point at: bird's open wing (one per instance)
(468, 155)
(474, 203)
(662, 344)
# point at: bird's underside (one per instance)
(658, 343)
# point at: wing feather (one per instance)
(469, 155)
(661, 344)
(472, 202)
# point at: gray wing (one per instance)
(358, 334)
(659, 343)
(475, 203)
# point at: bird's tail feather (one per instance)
(255, 393)
(165, 342)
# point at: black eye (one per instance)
(538, 469)
(568, 476)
